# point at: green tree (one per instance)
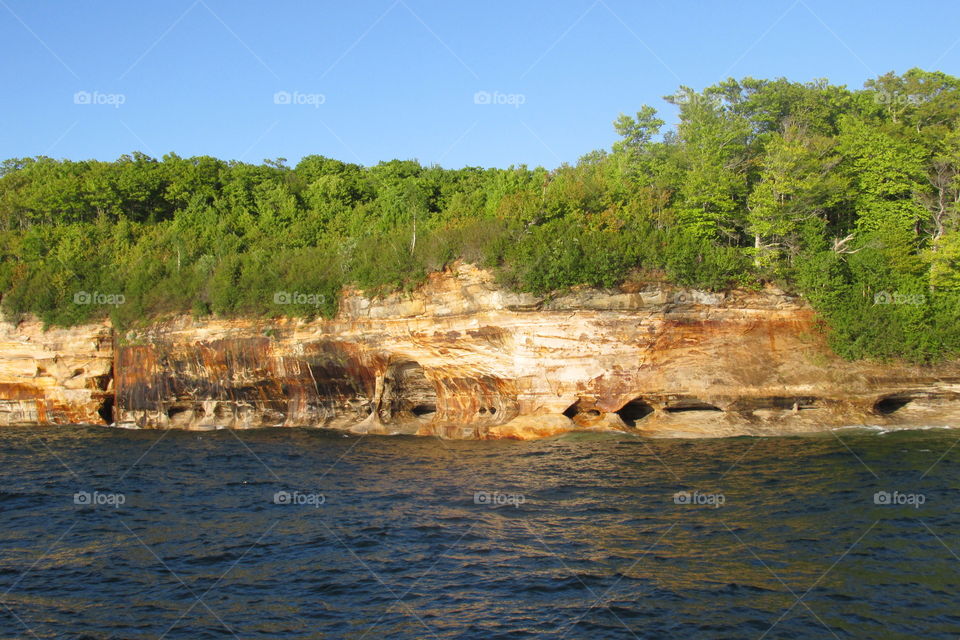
(798, 182)
(713, 156)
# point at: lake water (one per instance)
(299, 533)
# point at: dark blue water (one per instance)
(126, 534)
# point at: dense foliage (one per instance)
(849, 197)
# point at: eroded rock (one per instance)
(460, 358)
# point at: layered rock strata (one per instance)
(462, 358)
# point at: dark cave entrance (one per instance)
(684, 405)
(105, 411)
(699, 407)
(634, 411)
(422, 410)
(583, 412)
(891, 404)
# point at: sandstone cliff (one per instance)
(460, 358)
(57, 376)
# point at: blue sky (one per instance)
(455, 83)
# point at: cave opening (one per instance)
(408, 392)
(422, 410)
(891, 404)
(683, 406)
(173, 412)
(703, 407)
(634, 411)
(572, 411)
(105, 410)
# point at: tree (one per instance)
(887, 172)
(714, 160)
(637, 132)
(798, 182)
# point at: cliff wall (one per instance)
(461, 358)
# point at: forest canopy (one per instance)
(850, 198)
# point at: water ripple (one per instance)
(309, 534)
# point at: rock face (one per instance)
(55, 377)
(461, 358)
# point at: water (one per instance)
(385, 537)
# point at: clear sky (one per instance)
(450, 82)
